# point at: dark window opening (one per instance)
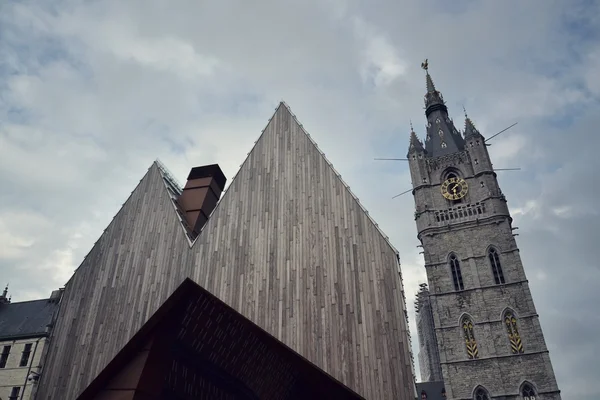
(496, 266)
(456, 274)
(528, 392)
(4, 356)
(25, 356)
(481, 394)
(14, 393)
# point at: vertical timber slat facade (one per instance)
(288, 246)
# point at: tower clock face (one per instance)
(454, 188)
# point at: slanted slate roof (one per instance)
(26, 319)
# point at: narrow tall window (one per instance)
(470, 342)
(25, 355)
(456, 274)
(4, 356)
(516, 345)
(481, 394)
(527, 392)
(14, 393)
(496, 266)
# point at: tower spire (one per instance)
(442, 137)
(430, 85)
(433, 98)
(429, 81)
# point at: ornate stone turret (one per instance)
(417, 163)
(470, 129)
(475, 144)
(415, 146)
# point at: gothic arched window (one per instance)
(469, 335)
(510, 321)
(456, 274)
(527, 392)
(481, 394)
(496, 266)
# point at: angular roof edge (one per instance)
(386, 237)
(154, 164)
(168, 179)
(166, 174)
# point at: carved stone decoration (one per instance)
(447, 160)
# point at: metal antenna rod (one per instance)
(409, 190)
(392, 159)
(503, 130)
(507, 169)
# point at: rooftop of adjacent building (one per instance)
(26, 318)
(431, 391)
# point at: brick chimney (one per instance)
(201, 194)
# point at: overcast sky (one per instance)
(91, 92)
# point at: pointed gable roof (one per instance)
(288, 246)
(284, 112)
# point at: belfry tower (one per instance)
(490, 341)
